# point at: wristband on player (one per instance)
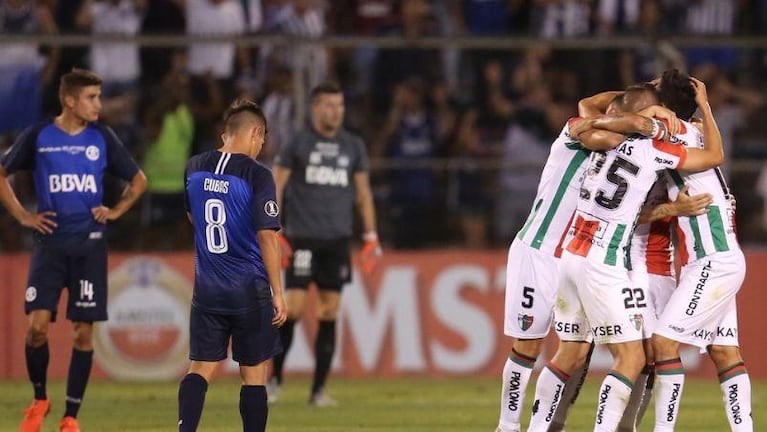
(370, 236)
(659, 130)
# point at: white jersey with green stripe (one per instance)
(615, 187)
(557, 194)
(715, 231)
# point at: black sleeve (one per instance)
(21, 156)
(363, 164)
(119, 161)
(285, 157)
(266, 214)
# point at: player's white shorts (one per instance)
(531, 287)
(704, 300)
(597, 300)
(661, 289)
(727, 330)
(642, 295)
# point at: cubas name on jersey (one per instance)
(213, 185)
(58, 183)
(327, 176)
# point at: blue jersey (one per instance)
(68, 171)
(230, 198)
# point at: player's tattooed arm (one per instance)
(130, 195)
(685, 205)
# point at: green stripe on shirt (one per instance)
(717, 229)
(575, 162)
(612, 248)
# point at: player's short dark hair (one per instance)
(677, 93)
(72, 82)
(234, 118)
(325, 88)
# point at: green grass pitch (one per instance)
(367, 405)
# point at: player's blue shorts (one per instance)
(81, 268)
(326, 262)
(254, 338)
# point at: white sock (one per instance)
(516, 376)
(669, 383)
(548, 393)
(613, 397)
(570, 393)
(736, 389)
(629, 420)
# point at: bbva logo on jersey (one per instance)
(71, 183)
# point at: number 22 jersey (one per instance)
(613, 191)
(230, 197)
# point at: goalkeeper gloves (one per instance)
(371, 252)
(286, 251)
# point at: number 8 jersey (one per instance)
(614, 188)
(230, 197)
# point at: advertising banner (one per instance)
(435, 313)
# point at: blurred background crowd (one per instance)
(457, 135)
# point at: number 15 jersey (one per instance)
(230, 198)
(613, 191)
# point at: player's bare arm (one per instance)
(712, 154)
(371, 249)
(596, 105)
(40, 222)
(606, 132)
(130, 195)
(685, 205)
(270, 252)
(281, 177)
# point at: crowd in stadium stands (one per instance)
(410, 104)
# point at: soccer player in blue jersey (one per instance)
(68, 156)
(231, 201)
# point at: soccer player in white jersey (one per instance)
(702, 311)
(595, 290)
(533, 257)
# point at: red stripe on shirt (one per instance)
(659, 257)
(684, 255)
(584, 236)
(558, 249)
(677, 150)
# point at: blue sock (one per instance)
(253, 408)
(191, 398)
(324, 347)
(79, 372)
(37, 368)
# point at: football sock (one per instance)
(191, 398)
(648, 389)
(516, 375)
(324, 347)
(629, 419)
(37, 368)
(286, 336)
(736, 389)
(669, 381)
(253, 408)
(570, 393)
(613, 397)
(79, 372)
(548, 394)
